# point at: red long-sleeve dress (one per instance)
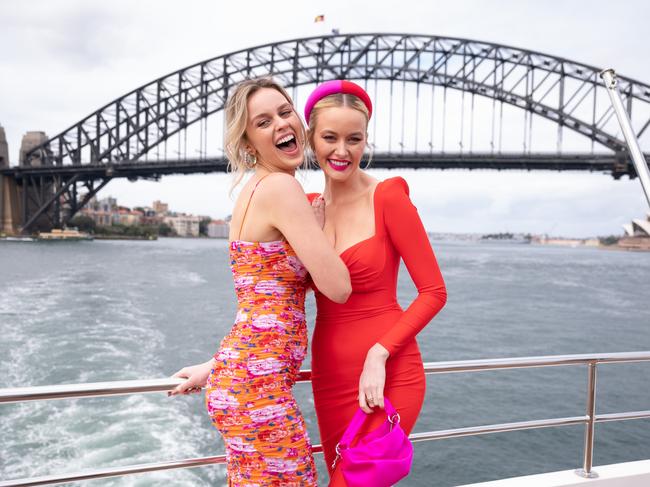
(345, 332)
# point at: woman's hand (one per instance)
(373, 379)
(196, 375)
(318, 205)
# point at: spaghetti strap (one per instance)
(241, 226)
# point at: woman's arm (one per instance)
(292, 214)
(409, 237)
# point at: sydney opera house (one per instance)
(637, 234)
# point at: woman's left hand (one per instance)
(373, 379)
(318, 205)
(196, 376)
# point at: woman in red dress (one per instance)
(365, 348)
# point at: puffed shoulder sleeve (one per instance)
(407, 233)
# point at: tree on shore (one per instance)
(609, 240)
(83, 223)
(165, 230)
(203, 226)
(145, 231)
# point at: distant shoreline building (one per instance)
(637, 235)
(160, 208)
(638, 227)
(107, 212)
(184, 225)
(218, 229)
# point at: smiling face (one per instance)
(274, 133)
(339, 139)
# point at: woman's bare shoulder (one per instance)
(281, 185)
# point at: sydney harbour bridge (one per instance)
(440, 103)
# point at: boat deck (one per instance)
(630, 474)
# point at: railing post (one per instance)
(640, 164)
(587, 463)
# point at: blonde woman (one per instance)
(275, 241)
(372, 225)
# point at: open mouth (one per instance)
(338, 164)
(287, 143)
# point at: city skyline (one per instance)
(106, 214)
(158, 206)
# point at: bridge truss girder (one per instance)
(49, 200)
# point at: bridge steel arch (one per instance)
(130, 126)
(558, 89)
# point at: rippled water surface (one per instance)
(95, 311)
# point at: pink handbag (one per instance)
(379, 459)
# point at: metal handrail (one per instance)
(41, 393)
(116, 388)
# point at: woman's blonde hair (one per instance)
(236, 110)
(334, 101)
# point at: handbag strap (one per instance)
(360, 417)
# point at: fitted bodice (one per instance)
(267, 272)
(373, 264)
(269, 335)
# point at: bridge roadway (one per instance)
(611, 163)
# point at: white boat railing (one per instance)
(589, 419)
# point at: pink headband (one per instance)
(333, 87)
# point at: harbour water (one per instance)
(104, 310)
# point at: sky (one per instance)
(62, 60)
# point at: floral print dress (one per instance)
(248, 393)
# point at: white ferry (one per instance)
(68, 234)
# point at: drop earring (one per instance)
(250, 159)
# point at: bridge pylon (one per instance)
(33, 191)
(8, 192)
(22, 195)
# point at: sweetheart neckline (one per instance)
(357, 244)
(374, 217)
